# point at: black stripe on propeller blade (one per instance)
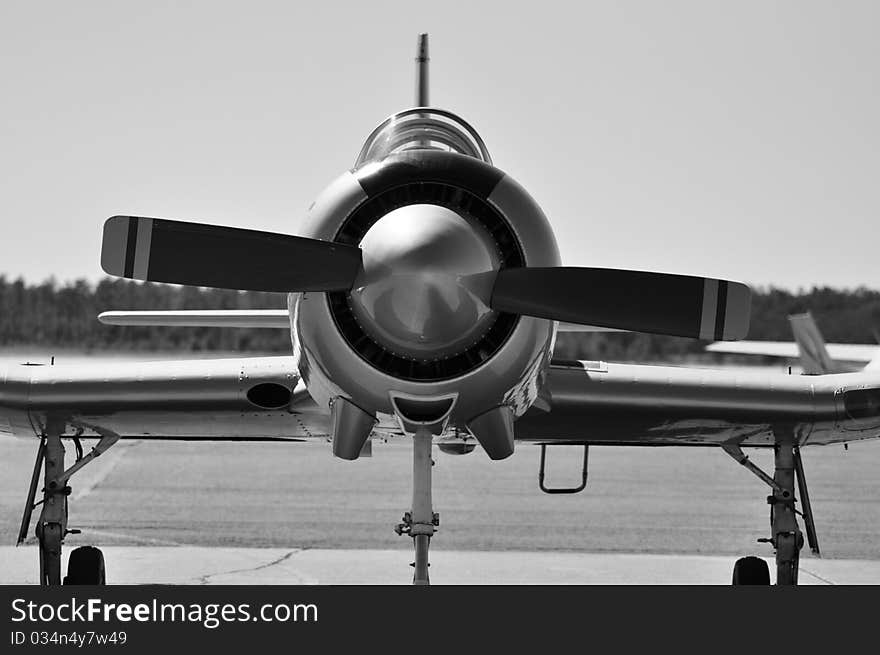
(179, 252)
(660, 303)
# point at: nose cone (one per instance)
(428, 275)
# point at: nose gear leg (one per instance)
(421, 522)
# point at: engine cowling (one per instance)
(434, 227)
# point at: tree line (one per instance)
(54, 315)
(65, 316)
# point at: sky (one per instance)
(730, 139)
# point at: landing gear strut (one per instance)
(421, 523)
(786, 536)
(52, 524)
(86, 567)
(785, 533)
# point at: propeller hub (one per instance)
(427, 279)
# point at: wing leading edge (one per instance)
(244, 318)
(262, 398)
(255, 398)
(595, 402)
(846, 352)
(230, 318)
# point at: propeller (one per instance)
(179, 252)
(159, 250)
(661, 303)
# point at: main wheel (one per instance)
(85, 566)
(751, 571)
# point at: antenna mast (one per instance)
(422, 60)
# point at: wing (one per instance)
(784, 349)
(262, 398)
(603, 403)
(255, 398)
(269, 318)
(237, 318)
(574, 327)
(246, 318)
(845, 352)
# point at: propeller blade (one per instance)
(661, 303)
(178, 252)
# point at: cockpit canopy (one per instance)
(423, 127)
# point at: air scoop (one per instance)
(427, 279)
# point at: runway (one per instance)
(169, 512)
(258, 566)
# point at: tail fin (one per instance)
(422, 59)
(811, 346)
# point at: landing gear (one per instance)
(785, 534)
(751, 571)
(52, 524)
(421, 523)
(86, 564)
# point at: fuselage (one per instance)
(435, 221)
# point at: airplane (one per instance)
(425, 293)
(816, 357)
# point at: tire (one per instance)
(85, 567)
(751, 571)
